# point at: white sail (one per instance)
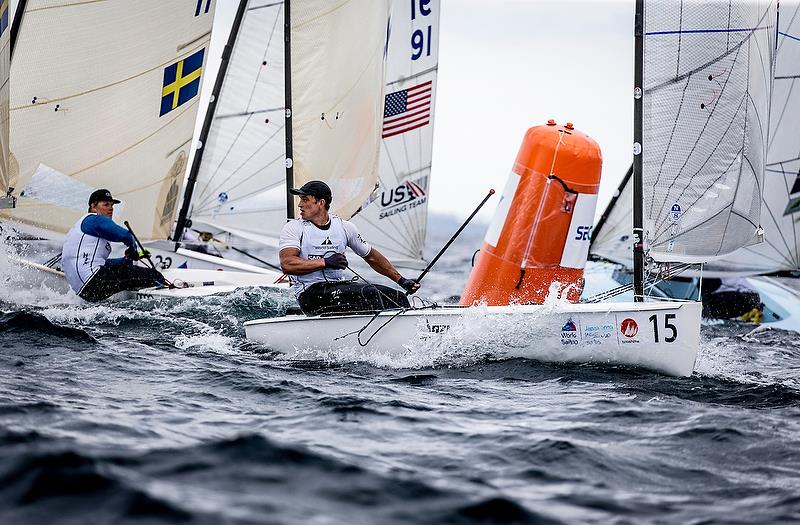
(780, 212)
(396, 220)
(708, 76)
(104, 94)
(337, 75)
(612, 238)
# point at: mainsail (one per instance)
(396, 220)
(708, 71)
(104, 94)
(333, 77)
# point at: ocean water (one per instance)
(161, 412)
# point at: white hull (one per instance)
(659, 336)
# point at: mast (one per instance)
(210, 111)
(638, 93)
(287, 50)
(16, 23)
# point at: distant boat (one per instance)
(779, 194)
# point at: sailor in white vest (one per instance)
(85, 255)
(312, 255)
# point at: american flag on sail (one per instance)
(407, 109)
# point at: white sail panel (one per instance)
(708, 77)
(396, 220)
(5, 67)
(241, 182)
(780, 212)
(105, 94)
(613, 239)
(338, 52)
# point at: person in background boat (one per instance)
(85, 255)
(730, 298)
(312, 255)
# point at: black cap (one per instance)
(101, 196)
(315, 188)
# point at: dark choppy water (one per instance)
(161, 412)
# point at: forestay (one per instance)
(337, 73)
(395, 221)
(104, 94)
(708, 78)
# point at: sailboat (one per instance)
(105, 95)
(311, 104)
(674, 53)
(779, 254)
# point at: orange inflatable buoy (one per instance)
(542, 226)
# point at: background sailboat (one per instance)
(778, 253)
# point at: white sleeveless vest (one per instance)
(82, 255)
(316, 243)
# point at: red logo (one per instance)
(629, 328)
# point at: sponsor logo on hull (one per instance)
(570, 335)
(629, 329)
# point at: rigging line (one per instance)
(700, 31)
(412, 77)
(383, 230)
(264, 56)
(784, 161)
(694, 147)
(106, 86)
(243, 163)
(787, 35)
(257, 7)
(213, 174)
(787, 77)
(209, 199)
(680, 38)
(256, 210)
(247, 113)
(728, 34)
(710, 62)
(780, 119)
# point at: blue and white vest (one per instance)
(82, 255)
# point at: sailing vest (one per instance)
(82, 255)
(317, 243)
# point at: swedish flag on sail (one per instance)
(181, 81)
(3, 16)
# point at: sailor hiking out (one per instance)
(87, 247)
(312, 254)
